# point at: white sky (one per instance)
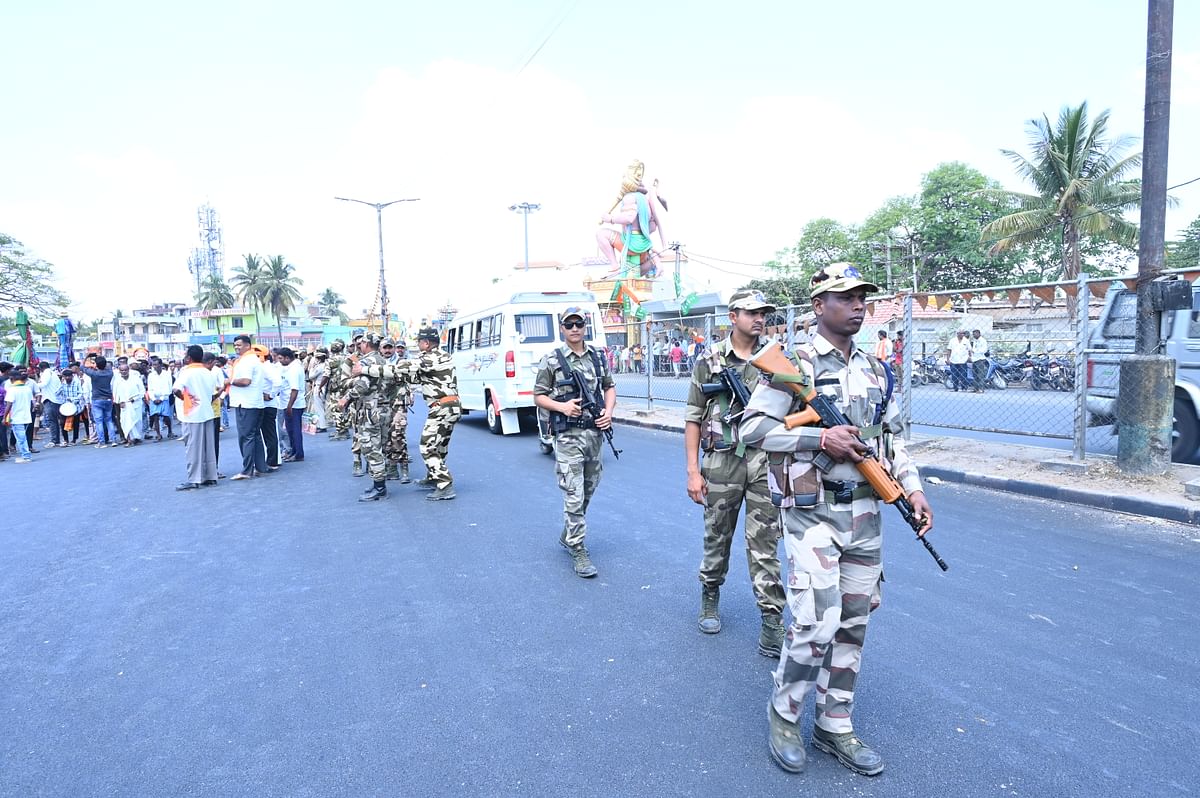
(123, 118)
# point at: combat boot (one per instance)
(442, 494)
(787, 747)
(580, 560)
(710, 618)
(404, 480)
(849, 750)
(427, 484)
(374, 493)
(393, 473)
(772, 635)
(358, 467)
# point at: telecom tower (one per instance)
(208, 259)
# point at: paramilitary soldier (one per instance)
(577, 436)
(334, 384)
(733, 473)
(368, 396)
(433, 371)
(395, 444)
(831, 522)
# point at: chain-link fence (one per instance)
(1039, 361)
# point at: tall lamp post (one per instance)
(379, 206)
(525, 208)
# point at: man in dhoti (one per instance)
(129, 399)
(316, 401)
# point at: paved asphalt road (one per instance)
(274, 638)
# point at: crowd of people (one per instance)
(131, 400)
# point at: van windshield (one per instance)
(535, 328)
(1122, 317)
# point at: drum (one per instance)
(67, 409)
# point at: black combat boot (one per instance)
(710, 618)
(787, 746)
(374, 493)
(772, 635)
(849, 750)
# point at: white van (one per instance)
(497, 350)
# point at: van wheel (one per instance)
(493, 417)
(1185, 436)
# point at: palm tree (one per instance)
(1081, 181)
(248, 284)
(331, 303)
(214, 294)
(279, 292)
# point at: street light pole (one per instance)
(379, 206)
(525, 208)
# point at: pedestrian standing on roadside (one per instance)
(17, 411)
(246, 399)
(831, 522)
(883, 347)
(979, 360)
(158, 389)
(102, 401)
(577, 435)
(196, 388)
(295, 398)
(732, 474)
(49, 387)
(960, 359)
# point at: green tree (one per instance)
(331, 303)
(780, 289)
(1184, 253)
(248, 282)
(26, 281)
(892, 230)
(215, 295)
(280, 292)
(1081, 186)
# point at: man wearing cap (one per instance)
(577, 436)
(395, 445)
(433, 370)
(333, 382)
(366, 391)
(732, 474)
(831, 521)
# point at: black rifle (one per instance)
(731, 383)
(591, 409)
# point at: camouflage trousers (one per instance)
(731, 481)
(833, 584)
(340, 420)
(395, 448)
(578, 466)
(435, 442)
(368, 440)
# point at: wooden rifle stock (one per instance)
(820, 411)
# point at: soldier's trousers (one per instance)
(344, 419)
(435, 442)
(368, 441)
(396, 446)
(833, 579)
(578, 466)
(731, 481)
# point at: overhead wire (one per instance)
(548, 36)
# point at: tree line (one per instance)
(963, 230)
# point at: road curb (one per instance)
(1104, 501)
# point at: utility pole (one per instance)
(379, 206)
(525, 208)
(887, 248)
(1145, 410)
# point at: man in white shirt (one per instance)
(49, 388)
(195, 388)
(158, 388)
(272, 385)
(295, 398)
(979, 362)
(960, 356)
(246, 398)
(128, 397)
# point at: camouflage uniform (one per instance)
(335, 384)
(833, 549)
(576, 449)
(396, 445)
(734, 474)
(434, 372)
(368, 393)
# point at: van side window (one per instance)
(450, 339)
(1122, 317)
(464, 337)
(534, 328)
(1194, 320)
(483, 332)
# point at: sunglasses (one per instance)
(574, 325)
